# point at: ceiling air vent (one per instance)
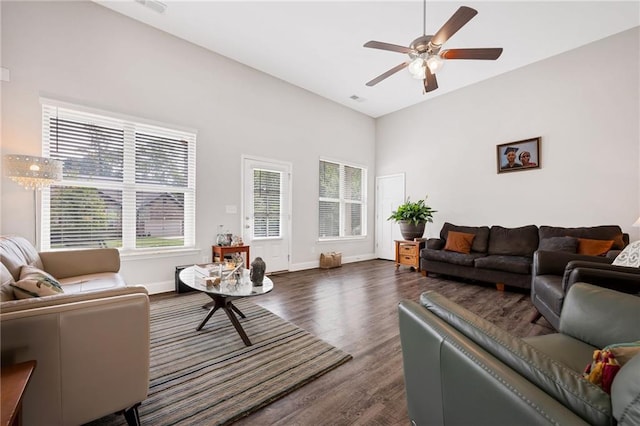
(158, 6)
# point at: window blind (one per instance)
(342, 200)
(126, 183)
(267, 203)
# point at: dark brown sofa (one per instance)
(504, 256)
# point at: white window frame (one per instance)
(342, 201)
(128, 186)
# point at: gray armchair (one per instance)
(460, 369)
(555, 272)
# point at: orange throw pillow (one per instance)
(594, 247)
(459, 242)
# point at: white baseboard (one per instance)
(316, 263)
(166, 286)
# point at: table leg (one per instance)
(204, 321)
(237, 326)
(229, 308)
(238, 311)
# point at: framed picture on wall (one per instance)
(517, 156)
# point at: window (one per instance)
(126, 184)
(342, 204)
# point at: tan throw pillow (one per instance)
(594, 247)
(459, 242)
(35, 283)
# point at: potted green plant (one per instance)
(412, 216)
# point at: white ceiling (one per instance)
(317, 45)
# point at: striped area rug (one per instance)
(210, 377)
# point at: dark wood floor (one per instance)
(355, 309)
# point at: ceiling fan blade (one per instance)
(384, 75)
(430, 81)
(457, 21)
(483, 53)
(387, 46)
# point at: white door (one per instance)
(266, 211)
(389, 195)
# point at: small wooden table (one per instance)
(14, 380)
(222, 250)
(408, 253)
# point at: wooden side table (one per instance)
(408, 253)
(14, 380)
(221, 251)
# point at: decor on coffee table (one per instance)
(211, 377)
(520, 155)
(256, 274)
(412, 218)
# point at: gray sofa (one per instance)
(504, 256)
(91, 343)
(460, 369)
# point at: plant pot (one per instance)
(409, 230)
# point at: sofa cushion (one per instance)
(481, 240)
(92, 282)
(522, 241)
(35, 283)
(17, 251)
(605, 232)
(566, 244)
(630, 256)
(450, 256)
(515, 264)
(459, 242)
(594, 247)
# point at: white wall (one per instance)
(84, 53)
(585, 106)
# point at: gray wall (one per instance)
(84, 53)
(585, 106)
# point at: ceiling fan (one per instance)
(425, 54)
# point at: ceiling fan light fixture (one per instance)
(435, 63)
(417, 68)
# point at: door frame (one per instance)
(289, 170)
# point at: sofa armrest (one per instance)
(92, 355)
(67, 298)
(440, 362)
(71, 263)
(555, 262)
(600, 316)
(621, 278)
